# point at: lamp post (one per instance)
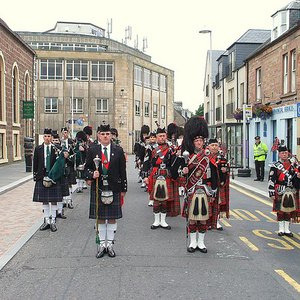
(211, 104)
(72, 108)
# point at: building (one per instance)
(274, 83)
(181, 115)
(16, 88)
(84, 78)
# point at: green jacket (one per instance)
(260, 151)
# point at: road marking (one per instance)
(253, 196)
(225, 223)
(292, 241)
(283, 244)
(289, 280)
(248, 243)
(235, 215)
(269, 219)
(246, 215)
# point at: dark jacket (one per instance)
(39, 170)
(117, 178)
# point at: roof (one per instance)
(292, 5)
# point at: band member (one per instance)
(199, 193)
(139, 151)
(160, 185)
(80, 151)
(112, 180)
(70, 172)
(47, 193)
(284, 185)
(172, 133)
(220, 175)
(88, 130)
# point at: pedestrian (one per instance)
(260, 151)
(284, 185)
(45, 191)
(112, 181)
(198, 182)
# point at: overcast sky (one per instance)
(171, 28)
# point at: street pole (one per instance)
(244, 136)
(72, 107)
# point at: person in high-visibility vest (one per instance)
(260, 151)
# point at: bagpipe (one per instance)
(58, 169)
(222, 162)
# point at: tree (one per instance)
(200, 110)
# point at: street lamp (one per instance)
(72, 110)
(211, 104)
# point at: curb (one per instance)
(7, 256)
(14, 184)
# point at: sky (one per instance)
(171, 28)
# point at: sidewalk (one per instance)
(21, 217)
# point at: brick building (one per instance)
(16, 87)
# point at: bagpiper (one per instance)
(160, 186)
(105, 171)
(198, 181)
(220, 175)
(284, 185)
(46, 190)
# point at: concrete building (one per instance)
(16, 92)
(84, 78)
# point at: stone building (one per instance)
(84, 78)
(16, 88)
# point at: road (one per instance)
(245, 261)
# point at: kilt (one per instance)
(65, 186)
(224, 200)
(105, 211)
(71, 175)
(46, 195)
(173, 207)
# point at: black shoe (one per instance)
(53, 227)
(203, 250)
(110, 251)
(262, 179)
(45, 226)
(166, 227)
(61, 216)
(79, 191)
(280, 233)
(290, 234)
(101, 252)
(256, 179)
(70, 205)
(85, 187)
(191, 249)
(154, 226)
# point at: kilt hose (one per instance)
(47, 194)
(105, 211)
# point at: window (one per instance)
(77, 69)
(293, 70)
(231, 58)
(15, 95)
(147, 78)
(2, 117)
(242, 94)
(77, 105)
(155, 80)
(258, 84)
(285, 73)
(51, 105)
(51, 69)
(163, 111)
(231, 95)
(154, 110)
(102, 71)
(16, 145)
(147, 104)
(137, 75)
(137, 107)
(162, 83)
(283, 25)
(102, 106)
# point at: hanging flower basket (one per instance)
(238, 114)
(262, 111)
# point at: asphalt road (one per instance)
(245, 261)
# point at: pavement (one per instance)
(21, 217)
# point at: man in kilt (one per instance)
(160, 183)
(220, 183)
(43, 161)
(112, 182)
(70, 172)
(198, 181)
(284, 185)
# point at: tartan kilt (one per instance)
(173, 206)
(105, 211)
(169, 187)
(71, 175)
(65, 186)
(224, 200)
(46, 195)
